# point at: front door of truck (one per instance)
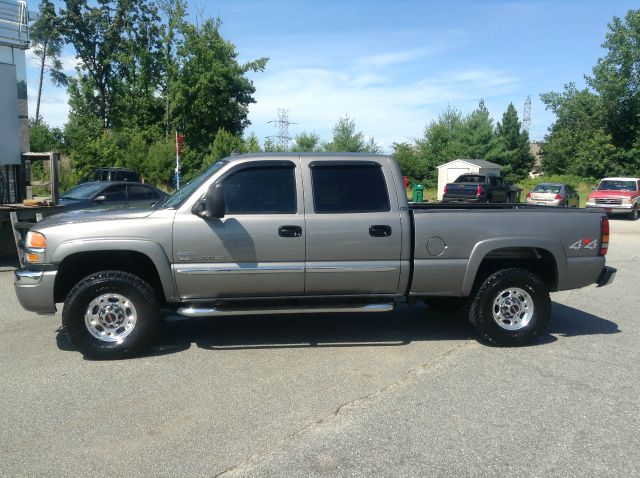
(257, 249)
(354, 238)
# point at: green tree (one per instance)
(515, 157)
(347, 139)
(616, 78)
(118, 75)
(223, 145)
(579, 118)
(211, 90)
(478, 134)
(47, 43)
(306, 142)
(43, 138)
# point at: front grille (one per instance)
(609, 201)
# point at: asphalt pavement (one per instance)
(407, 393)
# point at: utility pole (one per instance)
(179, 148)
(282, 138)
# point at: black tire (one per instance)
(118, 297)
(633, 215)
(446, 303)
(511, 308)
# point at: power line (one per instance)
(526, 118)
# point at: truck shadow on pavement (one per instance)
(394, 329)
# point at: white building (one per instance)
(449, 172)
(14, 116)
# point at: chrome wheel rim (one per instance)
(513, 309)
(110, 317)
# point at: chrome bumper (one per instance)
(606, 276)
(35, 290)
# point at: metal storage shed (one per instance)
(449, 172)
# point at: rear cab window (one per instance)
(471, 178)
(349, 188)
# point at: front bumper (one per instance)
(35, 290)
(612, 208)
(606, 276)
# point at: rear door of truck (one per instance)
(353, 224)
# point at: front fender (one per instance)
(152, 250)
(482, 248)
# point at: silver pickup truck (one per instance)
(291, 233)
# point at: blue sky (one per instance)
(393, 66)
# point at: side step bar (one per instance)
(194, 311)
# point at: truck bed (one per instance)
(451, 241)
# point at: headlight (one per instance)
(35, 246)
(626, 200)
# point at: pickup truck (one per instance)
(291, 233)
(617, 196)
(477, 188)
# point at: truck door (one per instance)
(257, 249)
(354, 238)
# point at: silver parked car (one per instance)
(554, 194)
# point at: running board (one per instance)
(219, 311)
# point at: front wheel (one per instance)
(111, 315)
(511, 308)
(633, 215)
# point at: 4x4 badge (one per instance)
(584, 244)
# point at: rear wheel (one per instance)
(511, 308)
(111, 315)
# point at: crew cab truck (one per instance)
(477, 188)
(617, 196)
(291, 233)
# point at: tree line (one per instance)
(144, 71)
(597, 128)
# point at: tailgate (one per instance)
(461, 190)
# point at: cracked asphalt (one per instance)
(408, 393)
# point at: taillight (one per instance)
(479, 191)
(445, 189)
(528, 195)
(604, 235)
(558, 197)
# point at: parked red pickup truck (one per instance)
(617, 196)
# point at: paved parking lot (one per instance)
(408, 393)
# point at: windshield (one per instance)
(470, 179)
(547, 188)
(617, 185)
(82, 191)
(187, 190)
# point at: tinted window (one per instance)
(547, 188)
(352, 188)
(115, 193)
(124, 176)
(617, 185)
(469, 178)
(142, 193)
(263, 190)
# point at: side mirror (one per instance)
(100, 198)
(214, 201)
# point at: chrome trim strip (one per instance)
(241, 270)
(352, 269)
(212, 311)
(27, 277)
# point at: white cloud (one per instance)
(387, 108)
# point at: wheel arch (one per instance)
(144, 259)
(545, 258)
